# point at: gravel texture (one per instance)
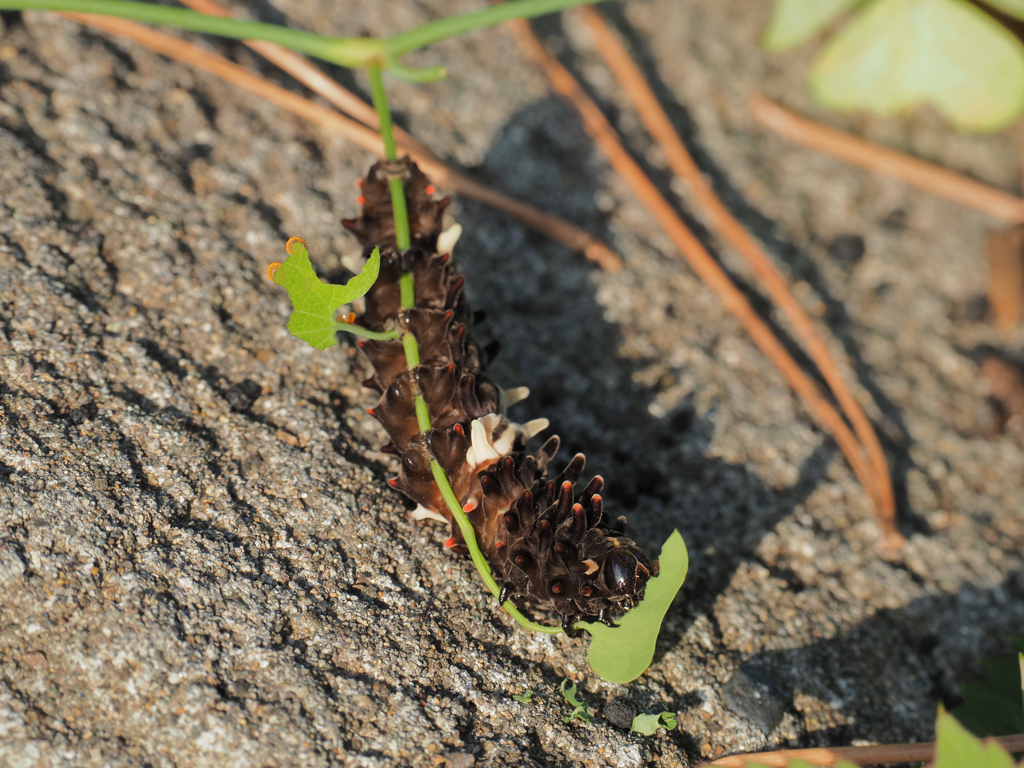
(200, 561)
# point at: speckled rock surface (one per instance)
(200, 562)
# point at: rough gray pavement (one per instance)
(200, 561)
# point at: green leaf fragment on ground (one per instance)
(581, 711)
(900, 53)
(956, 747)
(621, 654)
(796, 21)
(994, 705)
(315, 302)
(648, 725)
(525, 697)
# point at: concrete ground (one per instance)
(201, 563)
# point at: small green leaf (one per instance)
(1009, 7)
(796, 21)
(621, 654)
(581, 711)
(901, 53)
(955, 747)
(993, 706)
(648, 725)
(525, 698)
(315, 303)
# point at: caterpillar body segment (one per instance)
(547, 544)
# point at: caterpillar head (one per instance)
(624, 575)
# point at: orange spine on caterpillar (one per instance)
(554, 548)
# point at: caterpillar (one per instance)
(554, 548)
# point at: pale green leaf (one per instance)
(315, 302)
(956, 747)
(796, 21)
(1009, 7)
(648, 725)
(621, 654)
(900, 53)
(526, 697)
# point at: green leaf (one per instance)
(525, 698)
(955, 747)
(901, 53)
(1009, 7)
(315, 303)
(796, 21)
(648, 725)
(993, 706)
(621, 654)
(581, 711)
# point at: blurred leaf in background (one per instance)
(897, 54)
(796, 21)
(994, 705)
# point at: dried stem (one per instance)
(876, 754)
(558, 230)
(918, 173)
(660, 127)
(604, 135)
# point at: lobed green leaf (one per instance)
(581, 711)
(621, 654)
(648, 725)
(956, 747)
(315, 302)
(900, 53)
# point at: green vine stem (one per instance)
(366, 333)
(412, 359)
(344, 51)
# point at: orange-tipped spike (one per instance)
(450, 543)
(499, 544)
(371, 411)
(291, 241)
(393, 482)
(469, 506)
(360, 343)
(272, 269)
(361, 200)
(358, 183)
(431, 189)
(461, 432)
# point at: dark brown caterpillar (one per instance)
(555, 549)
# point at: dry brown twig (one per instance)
(1006, 278)
(876, 754)
(918, 173)
(660, 127)
(604, 135)
(558, 230)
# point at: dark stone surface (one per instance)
(752, 693)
